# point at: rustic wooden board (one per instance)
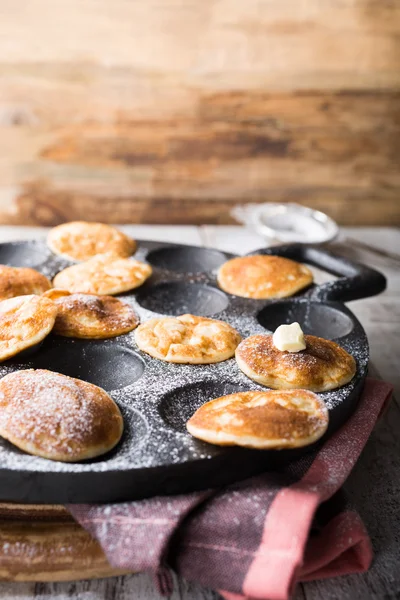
(172, 112)
(43, 543)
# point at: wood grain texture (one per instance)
(43, 543)
(137, 587)
(50, 551)
(169, 111)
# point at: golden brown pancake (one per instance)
(187, 339)
(322, 366)
(81, 240)
(24, 322)
(57, 417)
(262, 276)
(90, 316)
(20, 281)
(262, 420)
(103, 274)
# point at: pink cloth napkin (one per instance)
(257, 538)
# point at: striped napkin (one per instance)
(257, 538)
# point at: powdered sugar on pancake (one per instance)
(104, 274)
(57, 417)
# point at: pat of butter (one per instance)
(289, 338)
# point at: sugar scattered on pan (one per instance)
(150, 440)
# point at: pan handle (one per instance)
(355, 280)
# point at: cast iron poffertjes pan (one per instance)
(156, 454)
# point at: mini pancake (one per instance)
(322, 366)
(262, 420)
(90, 316)
(81, 240)
(187, 339)
(103, 274)
(20, 281)
(24, 322)
(57, 417)
(263, 276)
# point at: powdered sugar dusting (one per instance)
(48, 413)
(154, 406)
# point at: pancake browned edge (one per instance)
(90, 316)
(262, 420)
(57, 417)
(81, 240)
(262, 276)
(322, 366)
(21, 281)
(24, 322)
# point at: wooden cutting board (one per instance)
(44, 543)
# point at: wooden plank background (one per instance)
(175, 110)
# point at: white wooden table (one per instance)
(374, 485)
